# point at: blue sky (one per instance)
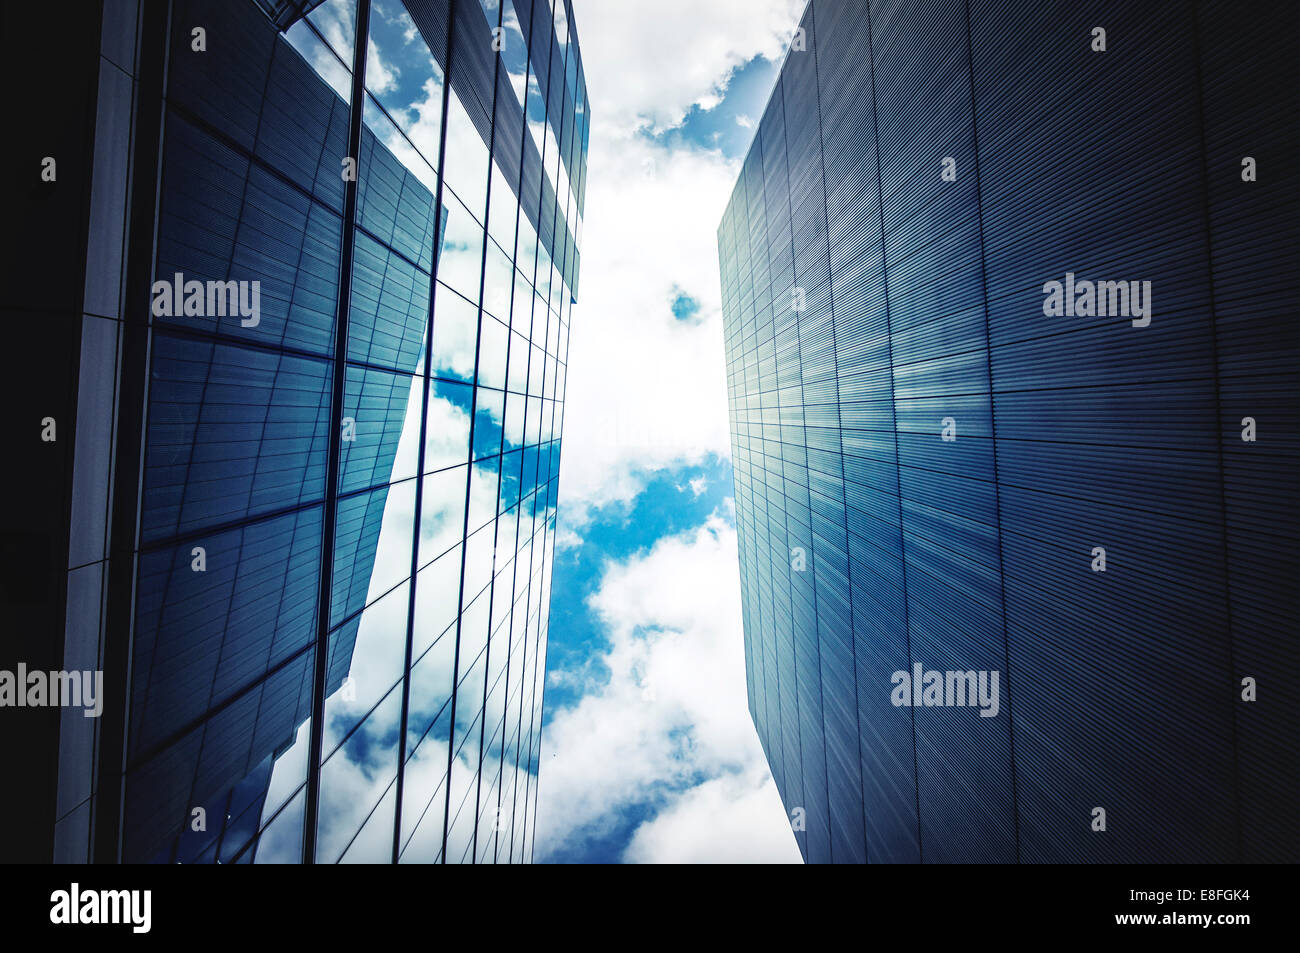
(728, 126)
(648, 752)
(672, 501)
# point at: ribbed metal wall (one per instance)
(869, 300)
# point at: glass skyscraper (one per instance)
(313, 446)
(1011, 361)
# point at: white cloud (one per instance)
(673, 709)
(625, 47)
(566, 538)
(734, 818)
(646, 391)
(400, 18)
(380, 76)
(665, 704)
(422, 126)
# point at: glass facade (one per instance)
(939, 470)
(332, 641)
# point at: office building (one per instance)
(1011, 363)
(307, 464)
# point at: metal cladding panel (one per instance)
(934, 281)
(952, 452)
(1104, 211)
(1255, 256)
(508, 132)
(285, 13)
(474, 72)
